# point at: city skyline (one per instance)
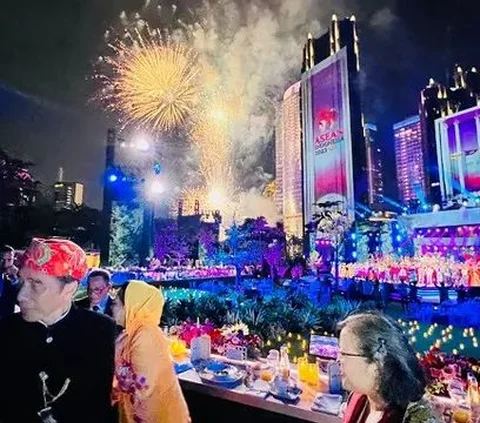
(43, 113)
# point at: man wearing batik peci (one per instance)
(56, 361)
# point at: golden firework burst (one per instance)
(152, 82)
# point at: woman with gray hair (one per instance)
(381, 370)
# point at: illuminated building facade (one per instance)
(374, 165)
(458, 146)
(289, 162)
(436, 102)
(67, 195)
(343, 34)
(410, 160)
(279, 157)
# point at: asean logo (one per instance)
(326, 119)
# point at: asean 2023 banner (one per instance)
(328, 172)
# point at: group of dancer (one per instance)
(428, 270)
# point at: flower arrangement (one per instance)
(444, 368)
(237, 335)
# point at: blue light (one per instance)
(425, 207)
(354, 254)
(113, 178)
(400, 250)
(354, 236)
(399, 238)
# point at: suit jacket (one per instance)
(8, 297)
(79, 347)
(85, 303)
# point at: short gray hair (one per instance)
(402, 379)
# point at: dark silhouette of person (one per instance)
(461, 294)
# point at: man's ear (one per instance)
(71, 288)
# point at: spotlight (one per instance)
(155, 188)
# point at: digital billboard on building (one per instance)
(327, 152)
(458, 151)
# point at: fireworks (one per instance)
(215, 72)
(152, 82)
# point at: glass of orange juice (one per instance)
(313, 374)
(266, 374)
(462, 414)
(302, 369)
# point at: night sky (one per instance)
(47, 49)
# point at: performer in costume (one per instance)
(56, 361)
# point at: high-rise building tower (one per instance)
(289, 161)
(67, 195)
(410, 160)
(279, 158)
(343, 34)
(438, 101)
(374, 165)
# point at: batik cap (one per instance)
(56, 257)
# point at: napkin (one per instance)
(327, 403)
(182, 366)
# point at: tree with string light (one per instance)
(331, 223)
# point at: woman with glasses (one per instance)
(382, 372)
(145, 386)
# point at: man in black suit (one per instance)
(56, 360)
(8, 281)
(99, 286)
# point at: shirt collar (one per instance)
(58, 320)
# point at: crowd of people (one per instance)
(104, 359)
(427, 270)
(100, 360)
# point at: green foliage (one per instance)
(339, 310)
(125, 235)
(268, 317)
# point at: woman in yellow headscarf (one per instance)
(146, 388)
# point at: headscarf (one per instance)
(56, 257)
(143, 306)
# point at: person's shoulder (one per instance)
(83, 303)
(148, 333)
(11, 322)
(94, 321)
(421, 412)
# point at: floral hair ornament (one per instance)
(56, 257)
(381, 351)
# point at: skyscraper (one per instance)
(343, 34)
(279, 157)
(438, 101)
(289, 161)
(67, 195)
(410, 160)
(374, 165)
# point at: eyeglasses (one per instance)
(98, 290)
(346, 354)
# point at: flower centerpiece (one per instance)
(237, 335)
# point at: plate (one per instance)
(292, 395)
(226, 375)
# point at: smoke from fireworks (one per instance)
(249, 53)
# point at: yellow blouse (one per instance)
(146, 387)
